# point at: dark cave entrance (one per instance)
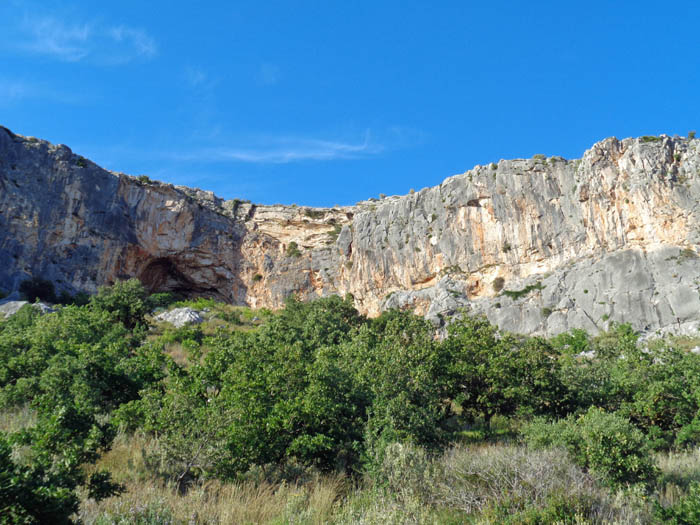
(162, 275)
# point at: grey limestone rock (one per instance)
(179, 317)
(10, 308)
(611, 237)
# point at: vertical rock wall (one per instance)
(612, 236)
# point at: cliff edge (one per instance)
(539, 245)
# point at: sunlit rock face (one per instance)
(539, 245)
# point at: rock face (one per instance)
(179, 317)
(10, 308)
(540, 245)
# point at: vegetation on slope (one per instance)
(316, 414)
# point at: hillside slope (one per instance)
(540, 245)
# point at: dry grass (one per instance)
(465, 481)
(677, 471)
(14, 419)
(214, 502)
(211, 502)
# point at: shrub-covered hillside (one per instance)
(316, 414)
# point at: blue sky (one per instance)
(324, 103)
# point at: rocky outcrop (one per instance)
(179, 317)
(540, 245)
(10, 308)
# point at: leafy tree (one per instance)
(125, 300)
(289, 399)
(74, 368)
(27, 498)
(190, 423)
(492, 373)
(400, 366)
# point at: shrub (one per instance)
(162, 299)
(334, 233)
(144, 179)
(539, 156)
(38, 288)
(293, 250)
(314, 214)
(684, 512)
(517, 294)
(126, 300)
(691, 134)
(649, 138)
(257, 277)
(79, 299)
(81, 162)
(150, 513)
(498, 284)
(501, 480)
(605, 443)
(406, 471)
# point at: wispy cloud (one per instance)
(14, 91)
(286, 150)
(196, 78)
(84, 41)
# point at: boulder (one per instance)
(180, 317)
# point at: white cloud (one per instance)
(144, 45)
(85, 41)
(287, 150)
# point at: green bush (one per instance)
(684, 512)
(125, 300)
(517, 294)
(406, 471)
(162, 300)
(27, 498)
(605, 443)
(498, 284)
(293, 250)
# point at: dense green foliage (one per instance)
(318, 386)
(606, 443)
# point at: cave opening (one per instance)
(163, 275)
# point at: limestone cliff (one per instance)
(539, 245)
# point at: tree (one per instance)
(125, 300)
(492, 373)
(398, 363)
